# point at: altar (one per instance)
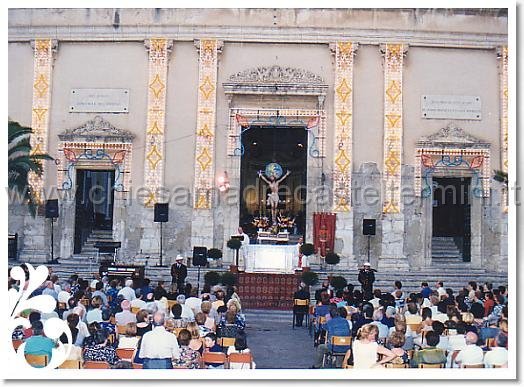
(270, 258)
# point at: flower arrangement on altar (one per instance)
(285, 222)
(261, 223)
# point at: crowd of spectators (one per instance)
(159, 329)
(435, 327)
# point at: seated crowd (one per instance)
(432, 328)
(132, 325)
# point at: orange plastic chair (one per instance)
(226, 341)
(126, 353)
(37, 360)
(215, 357)
(93, 365)
(71, 364)
(243, 358)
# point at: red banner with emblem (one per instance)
(324, 224)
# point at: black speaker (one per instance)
(51, 208)
(161, 212)
(368, 226)
(199, 256)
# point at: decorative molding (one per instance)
(276, 75)
(276, 80)
(452, 136)
(314, 121)
(393, 126)
(205, 127)
(504, 100)
(159, 50)
(97, 130)
(343, 118)
(255, 34)
(43, 50)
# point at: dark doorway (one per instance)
(451, 212)
(93, 203)
(286, 146)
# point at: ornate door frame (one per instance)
(452, 152)
(95, 145)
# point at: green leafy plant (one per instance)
(228, 279)
(234, 244)
(501, 176)
(338, 282)
(212, 278)
(307, 249)
(214, 253)
(21, 163)
(332, 258)
(310, 278)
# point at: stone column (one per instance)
(343, 150)
(204, 182)
(393, 257)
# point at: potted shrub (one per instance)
(228, 279)
(338, 282)
(310, 278)
(212, 278)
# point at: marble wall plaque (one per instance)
(459, 107)
(99, 101)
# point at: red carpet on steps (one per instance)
(267, 291)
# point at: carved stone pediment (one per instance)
(452, 136)
(276, 75)
(275, 80)
(97, 130)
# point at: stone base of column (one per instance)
(393, 258)
(36, 246)
(344, 241)
(202, 228)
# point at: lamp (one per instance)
(223, 182)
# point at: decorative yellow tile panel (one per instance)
(205, 127)
(42, 71)
(393, 64)
(503, 53)
(342, 163)
(159, 50)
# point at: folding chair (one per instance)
(121, 329)
(428, 365)
(317, 328)
(473, 365)
(93, 365)
(332, 355)
(215, 358)
(170, 304)
(311, 319)
(38, 361)
(302, 303)
(126, 353)
(243, 358)
(138, 366)
(71, 364)
(396, 365)
(225, 342)
(135, 309)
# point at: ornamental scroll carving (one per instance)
(97, 130)
(276, 75)
(451, 136)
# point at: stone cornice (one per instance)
(257, 34)
(452, 136)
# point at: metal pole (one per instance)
(52, 239)
(198, 282)
(369, 239)
(160, 244)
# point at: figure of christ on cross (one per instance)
(272, 197)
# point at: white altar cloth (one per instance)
(270, 258)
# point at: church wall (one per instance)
(446, 71)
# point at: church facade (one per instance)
(403, 115)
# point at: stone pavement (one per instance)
(273, 341)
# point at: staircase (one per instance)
(445, 253)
